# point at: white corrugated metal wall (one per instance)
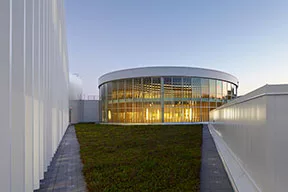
(254, 130)
(34, 89)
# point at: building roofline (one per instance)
(166, 71)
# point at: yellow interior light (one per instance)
(109, 114)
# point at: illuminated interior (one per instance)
(163, 99)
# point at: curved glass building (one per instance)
(164, 94)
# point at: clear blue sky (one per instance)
(248, 39)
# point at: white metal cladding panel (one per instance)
(255, 128)
(41, 101)
(36, 95)
(44, 85)
(28, 94)
(17, 104)
(50, 61)
(167, 71)
(34, 83)
(5, 131)
(277, 157)
(242, 127)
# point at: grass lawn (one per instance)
(141, 158)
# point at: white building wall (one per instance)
(34, 82)
(254, 132)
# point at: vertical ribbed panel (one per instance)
(40, 91)
(5, 131)
(36, 95)
(17, 105)
(34, 84)
(28, 16)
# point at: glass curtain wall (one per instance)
(163, 99)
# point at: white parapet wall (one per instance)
(90, 112)
(34, 89)
(251, 135)
(84, 111)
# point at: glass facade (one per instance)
(163, 99)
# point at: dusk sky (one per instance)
(248, 39)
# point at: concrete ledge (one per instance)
(239, 178)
